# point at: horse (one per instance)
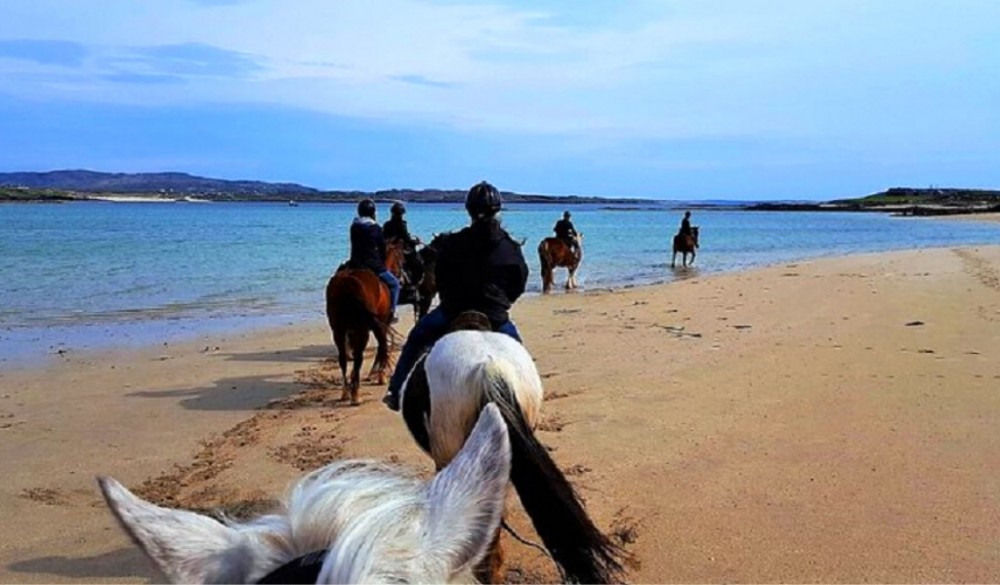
(552, 253)
(427, 288)
(358, 303)
(441, 399)
(349, 522)
(685, 244)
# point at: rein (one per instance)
(300, 570)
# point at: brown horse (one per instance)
(553, 253)
(358, 303)
(685, 245)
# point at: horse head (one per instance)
(394, 256)
(349, 522)
(694, 234)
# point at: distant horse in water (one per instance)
(349, 522)
(553, 253)
(358, 303)
(685, 245)
(469, 370)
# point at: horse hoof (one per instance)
(355, 403)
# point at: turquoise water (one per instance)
(85, 274)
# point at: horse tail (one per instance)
(546, 263)
(583, 554)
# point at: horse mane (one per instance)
(349, 522)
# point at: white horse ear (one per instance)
(466, 498)
(187, 547)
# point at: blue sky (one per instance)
(670, 99)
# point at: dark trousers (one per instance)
(424, 334)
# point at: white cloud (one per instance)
(707, 68)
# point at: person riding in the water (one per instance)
(480, 268)
(685, 225)
(368, 248)
(566, 232)
(397, 229)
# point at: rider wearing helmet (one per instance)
(566, 232)
(413, 267)
(480, 268)
(368, 248)
(396, 226)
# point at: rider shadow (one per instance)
(246, 393)
(116, 564)
(304, 354)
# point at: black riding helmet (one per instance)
(366, 208)
(566, 215)
(483, 201)
(398, 208)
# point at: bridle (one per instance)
(301, 570)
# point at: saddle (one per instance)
(416, 406)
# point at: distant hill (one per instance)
(81, 184)
(164, 183)
(903, 201)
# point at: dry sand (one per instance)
(826, 421)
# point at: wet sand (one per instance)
(827, 421)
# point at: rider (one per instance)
(685, 225)
(396, 228)
(479, 268)
(566, 232)
(368, 249)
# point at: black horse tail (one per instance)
(582, 552)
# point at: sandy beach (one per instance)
(836, 420)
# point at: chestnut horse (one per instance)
(553, 253)
(358, 303)
(685, 245)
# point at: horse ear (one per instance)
(466, 498)
(187, 547)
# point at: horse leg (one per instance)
(693, 254)
(673, 261)
(381, 356)
(340, 340)
(359, 341)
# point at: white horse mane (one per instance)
(377, 522)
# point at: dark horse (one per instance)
(685, 245)
(357, 303)
(427, 287)
(553, 253)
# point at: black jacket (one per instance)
(685, 227)
(367, 245)
(481, 268)
(564, 229)
(397, 228)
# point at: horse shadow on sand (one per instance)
(124, 562)
(303, 354)
(249, 393)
